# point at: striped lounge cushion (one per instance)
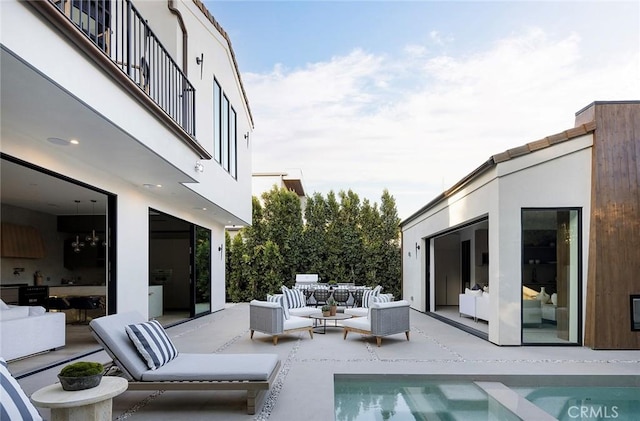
(295, 297)
(152, 343)
(279, 298)
(368, 294)
(14, 403)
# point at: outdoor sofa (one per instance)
(254, 373)
(26, 330)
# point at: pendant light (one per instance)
(77, 245)
(93, 238)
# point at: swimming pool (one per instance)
(359, 397)
(586, 403)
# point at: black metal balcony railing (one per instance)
(117, 28)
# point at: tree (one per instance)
(340, 239)
(282, 222)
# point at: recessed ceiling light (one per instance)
(74, 142)
(151, 186)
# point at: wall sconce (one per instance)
(199, 62)
(417, 249)
(199, 167)
(220, 251)
(246, 137)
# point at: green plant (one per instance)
(326, 307)
(82, 369)
(333, 282)
(331, 302)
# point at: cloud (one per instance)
(417, 122)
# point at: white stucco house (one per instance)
(125, 151)
(551, 232)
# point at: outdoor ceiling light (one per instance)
(199, 167)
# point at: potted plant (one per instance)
(81, 375)
(326, 310)
(333, 305)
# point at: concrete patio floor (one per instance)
(304, 386)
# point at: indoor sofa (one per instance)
(26, 330)
(474, 303)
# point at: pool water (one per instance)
(586, 403)
(401, 398)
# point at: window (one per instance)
(225, 132)
(233, 144)
(217, 129)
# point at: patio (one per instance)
(304, 386)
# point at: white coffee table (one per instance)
(83, 405)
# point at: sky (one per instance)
(413, 96)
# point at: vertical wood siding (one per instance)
(614, 239)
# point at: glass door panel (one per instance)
(202, 275)
(550, 276)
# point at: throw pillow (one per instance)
(367, 294)
(14, 403)
(295, 297)
(279, 298)
(152, 343)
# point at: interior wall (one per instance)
(448, 277)
(173, 254)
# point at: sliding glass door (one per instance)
(551, 276)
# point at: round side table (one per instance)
(83, 405)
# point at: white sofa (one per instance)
(26, 330)
(474, 303)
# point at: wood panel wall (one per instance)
(614, 236)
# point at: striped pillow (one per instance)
(367, 294)
(279, 298)
(14, 403)
(152, 343)
(295, 297)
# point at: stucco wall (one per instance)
(553, 177)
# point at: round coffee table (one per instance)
(86, 405)
(320, 318)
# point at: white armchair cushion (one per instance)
(295, 322)
(357, 311)
(3, 305)
(361, 323)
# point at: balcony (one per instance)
(121, 32)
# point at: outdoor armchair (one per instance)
(384, 319)
(269, 318)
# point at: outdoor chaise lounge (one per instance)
(384, 319)
(254, 373)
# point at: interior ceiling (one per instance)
(33, 109)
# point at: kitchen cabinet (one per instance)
(21, 241)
